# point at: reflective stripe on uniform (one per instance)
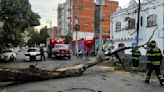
(163, 83)
(149, 54)
(157, 54)
(156, 49)
(155, 62)
(147, 77)
(160, 76)
(136, 54)
(136, 58)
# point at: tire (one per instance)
(27, 61)
(12, 58)
(69, 57)
(49, 55)
(40, 58)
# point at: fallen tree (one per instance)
(36, 74)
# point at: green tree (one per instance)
(17, 16)
(43, 35)
(38, 37)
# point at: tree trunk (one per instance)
(36, 74)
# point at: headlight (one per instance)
(38, 54)
(27, 54)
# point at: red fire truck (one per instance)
(51, 43)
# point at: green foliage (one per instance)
(17, 16)
(68, 38)
(38, 38)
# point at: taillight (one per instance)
(67, 49)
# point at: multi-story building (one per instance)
(124, 24)
(84, 11)
(63, 18)
(53, 33)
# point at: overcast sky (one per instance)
(47, 9)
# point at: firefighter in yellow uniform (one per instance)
(155, 57)
(135, 57)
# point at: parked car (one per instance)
(61, 50)
(33, 54)
(8, 55)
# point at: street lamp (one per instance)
(100, 3)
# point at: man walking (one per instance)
(155, 57)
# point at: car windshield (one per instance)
(60, 46)
(31, 50)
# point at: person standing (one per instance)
(135, 57)
(42, 53)
(155, 57)
(80, 53)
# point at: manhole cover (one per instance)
(78, 90)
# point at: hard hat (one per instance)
(153, 43)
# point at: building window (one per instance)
(131, 23)
(152, 20)
(118, 26)
(141, 21)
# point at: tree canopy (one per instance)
(16, 16)
(38, 37)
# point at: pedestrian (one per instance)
(42, 53)
(80, 53)
(155, 57)
(135, 57)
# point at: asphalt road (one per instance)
(93, 80)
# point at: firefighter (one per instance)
(135, 57)
(155, 57)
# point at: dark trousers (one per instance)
(155, 68)
(43, 56)
(135, 63)
(119, 59)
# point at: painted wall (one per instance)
(127, 37)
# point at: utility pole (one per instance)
(138, 22)
(76, 29)
(99, 4)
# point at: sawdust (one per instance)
(106, 69)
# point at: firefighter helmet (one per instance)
(153, 43)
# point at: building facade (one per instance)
(53, 33)
(84, 11)
(124, 24)
(64, 18)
